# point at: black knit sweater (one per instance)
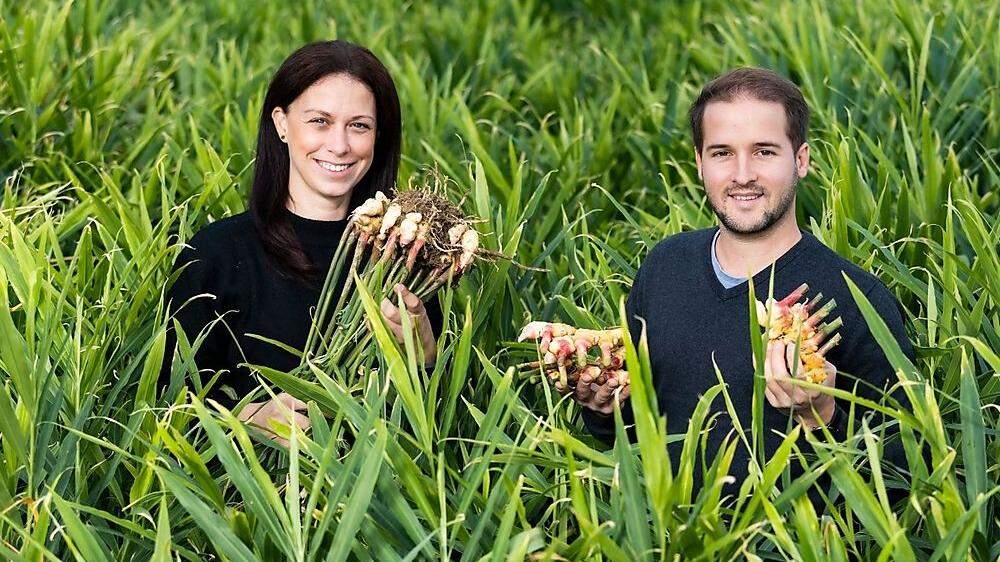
(229, 275)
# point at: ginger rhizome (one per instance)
(567, 353)
(798, 322)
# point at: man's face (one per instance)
(748, 165)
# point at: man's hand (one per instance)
(283, 408)
(779, 367)
(418, 314)
(598, 393)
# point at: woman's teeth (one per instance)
(333, 167)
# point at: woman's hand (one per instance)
(283, 408)
(418, 314)
(779, 366)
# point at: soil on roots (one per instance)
(438, 212)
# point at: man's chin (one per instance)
(746, 228)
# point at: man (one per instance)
(749, 127)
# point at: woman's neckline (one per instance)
(313, 230)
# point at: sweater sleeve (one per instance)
(195, 299)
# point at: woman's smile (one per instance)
(334, 169)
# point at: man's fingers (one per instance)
(583, 391)
(831, 375)
(768, 374)
(795, 368)
(800, 397)
(774, 371)
(781, 399)
(776, 353)
(779, 370)
(602, 396)
(624, 394)
(771, 399)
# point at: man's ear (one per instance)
(802, 160)
(697, 161)
(280, 122)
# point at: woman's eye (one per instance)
(361, 126)
(319, 120)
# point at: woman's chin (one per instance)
(333, 189)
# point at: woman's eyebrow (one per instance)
(328, 114)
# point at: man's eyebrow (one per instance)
(763, 144)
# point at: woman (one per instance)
(329, 138)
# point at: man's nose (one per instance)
(745, 172)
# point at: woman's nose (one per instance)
(339, 143)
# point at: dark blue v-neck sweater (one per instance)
(691, 319)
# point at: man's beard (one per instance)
(770, 216)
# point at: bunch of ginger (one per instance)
(418, 238)
(568, 353)
(795, 322)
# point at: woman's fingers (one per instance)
(291, 402)
(415, 307)
(412, 302)
(390, 312)
(301, 421)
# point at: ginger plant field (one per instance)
(127, 126)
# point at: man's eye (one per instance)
(720, 153)
(766, 152)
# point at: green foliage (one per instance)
(125, 127)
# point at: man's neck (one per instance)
(743, 254)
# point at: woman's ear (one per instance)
(280, 123)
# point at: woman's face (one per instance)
(330, 132)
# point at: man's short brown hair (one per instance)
(760, 84)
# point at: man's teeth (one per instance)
(333, 167)
(745, 197)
